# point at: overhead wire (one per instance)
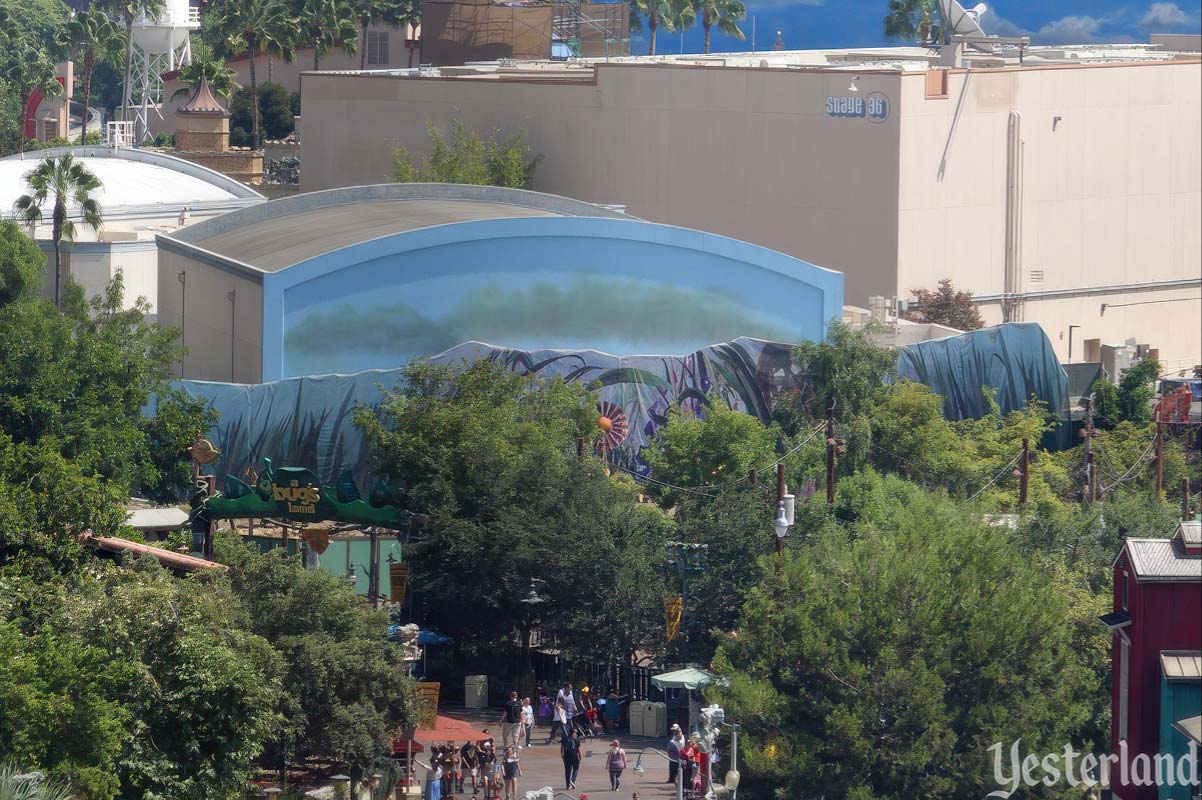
(996, 477)
(1130, 473)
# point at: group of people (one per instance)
(684, 756)
(495, 775)
(568, 712)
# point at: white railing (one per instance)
(119, 134)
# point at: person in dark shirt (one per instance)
(469, 759)
(569, 750)
(511, 721)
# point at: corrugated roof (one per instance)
(1164, 560)
(1191, 533)
(1181, 665)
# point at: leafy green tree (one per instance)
(275, 114)
(913, 21)
(490, 457)
(59, 713)
(21, 264)
(467, 157)
(700, 452)
(944, 306)
(254, 26)
(202, 689)
(62, 180)
(726, 14)
(178, 419)
(846, 371)
(1136, 390)
(883, 661)
(91, 35)
(345, 690)
(28, 68)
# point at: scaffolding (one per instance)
(589, 30)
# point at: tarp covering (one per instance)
(309, 421)
(1016, 360)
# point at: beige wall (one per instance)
(1111, 187)
(1112, 195)
(743, 153)
(210, 315)
(287, 74)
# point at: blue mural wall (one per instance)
(625, 287)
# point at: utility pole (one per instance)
(1159, 458)
(1024, 472)
(752, 477)
(830, 455)
(1090, 469)
(1187, 511)
(780, 499)
(373, 580)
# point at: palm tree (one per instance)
(659, 14)
(911, 20)
(726, 14)
(254, 26)
(90, 34)
(16, 786)
(221, 78)
(128, 11)
(325, 24)
(368, 12)
(66, 180)
(28, 69)
(409, 15)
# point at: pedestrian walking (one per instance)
(559, 722)
(512, 771)
(433, 780)
(675, 745)
(527, 722)
(569, 751)
(544, 708)
(615, 762)
(568, 698)
(511, 721)
(488, 760)
(469, 763)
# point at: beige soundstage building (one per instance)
(1065, 190)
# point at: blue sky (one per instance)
(806, 24)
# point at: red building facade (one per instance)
(1157, 608)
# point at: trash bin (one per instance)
(475, 691)
(637, 711)
(655, 720)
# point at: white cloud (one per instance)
(1069, 30)
(1167, 16)
(1000, 26)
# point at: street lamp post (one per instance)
(683, 558)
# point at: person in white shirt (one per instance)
(527, 722)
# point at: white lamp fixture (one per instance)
(781, 523)
(852, 87)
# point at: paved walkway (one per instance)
(542, 766)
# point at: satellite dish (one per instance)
(959, 21)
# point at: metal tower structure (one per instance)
(160, 44)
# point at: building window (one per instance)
(1126, 591)
(377, 48)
